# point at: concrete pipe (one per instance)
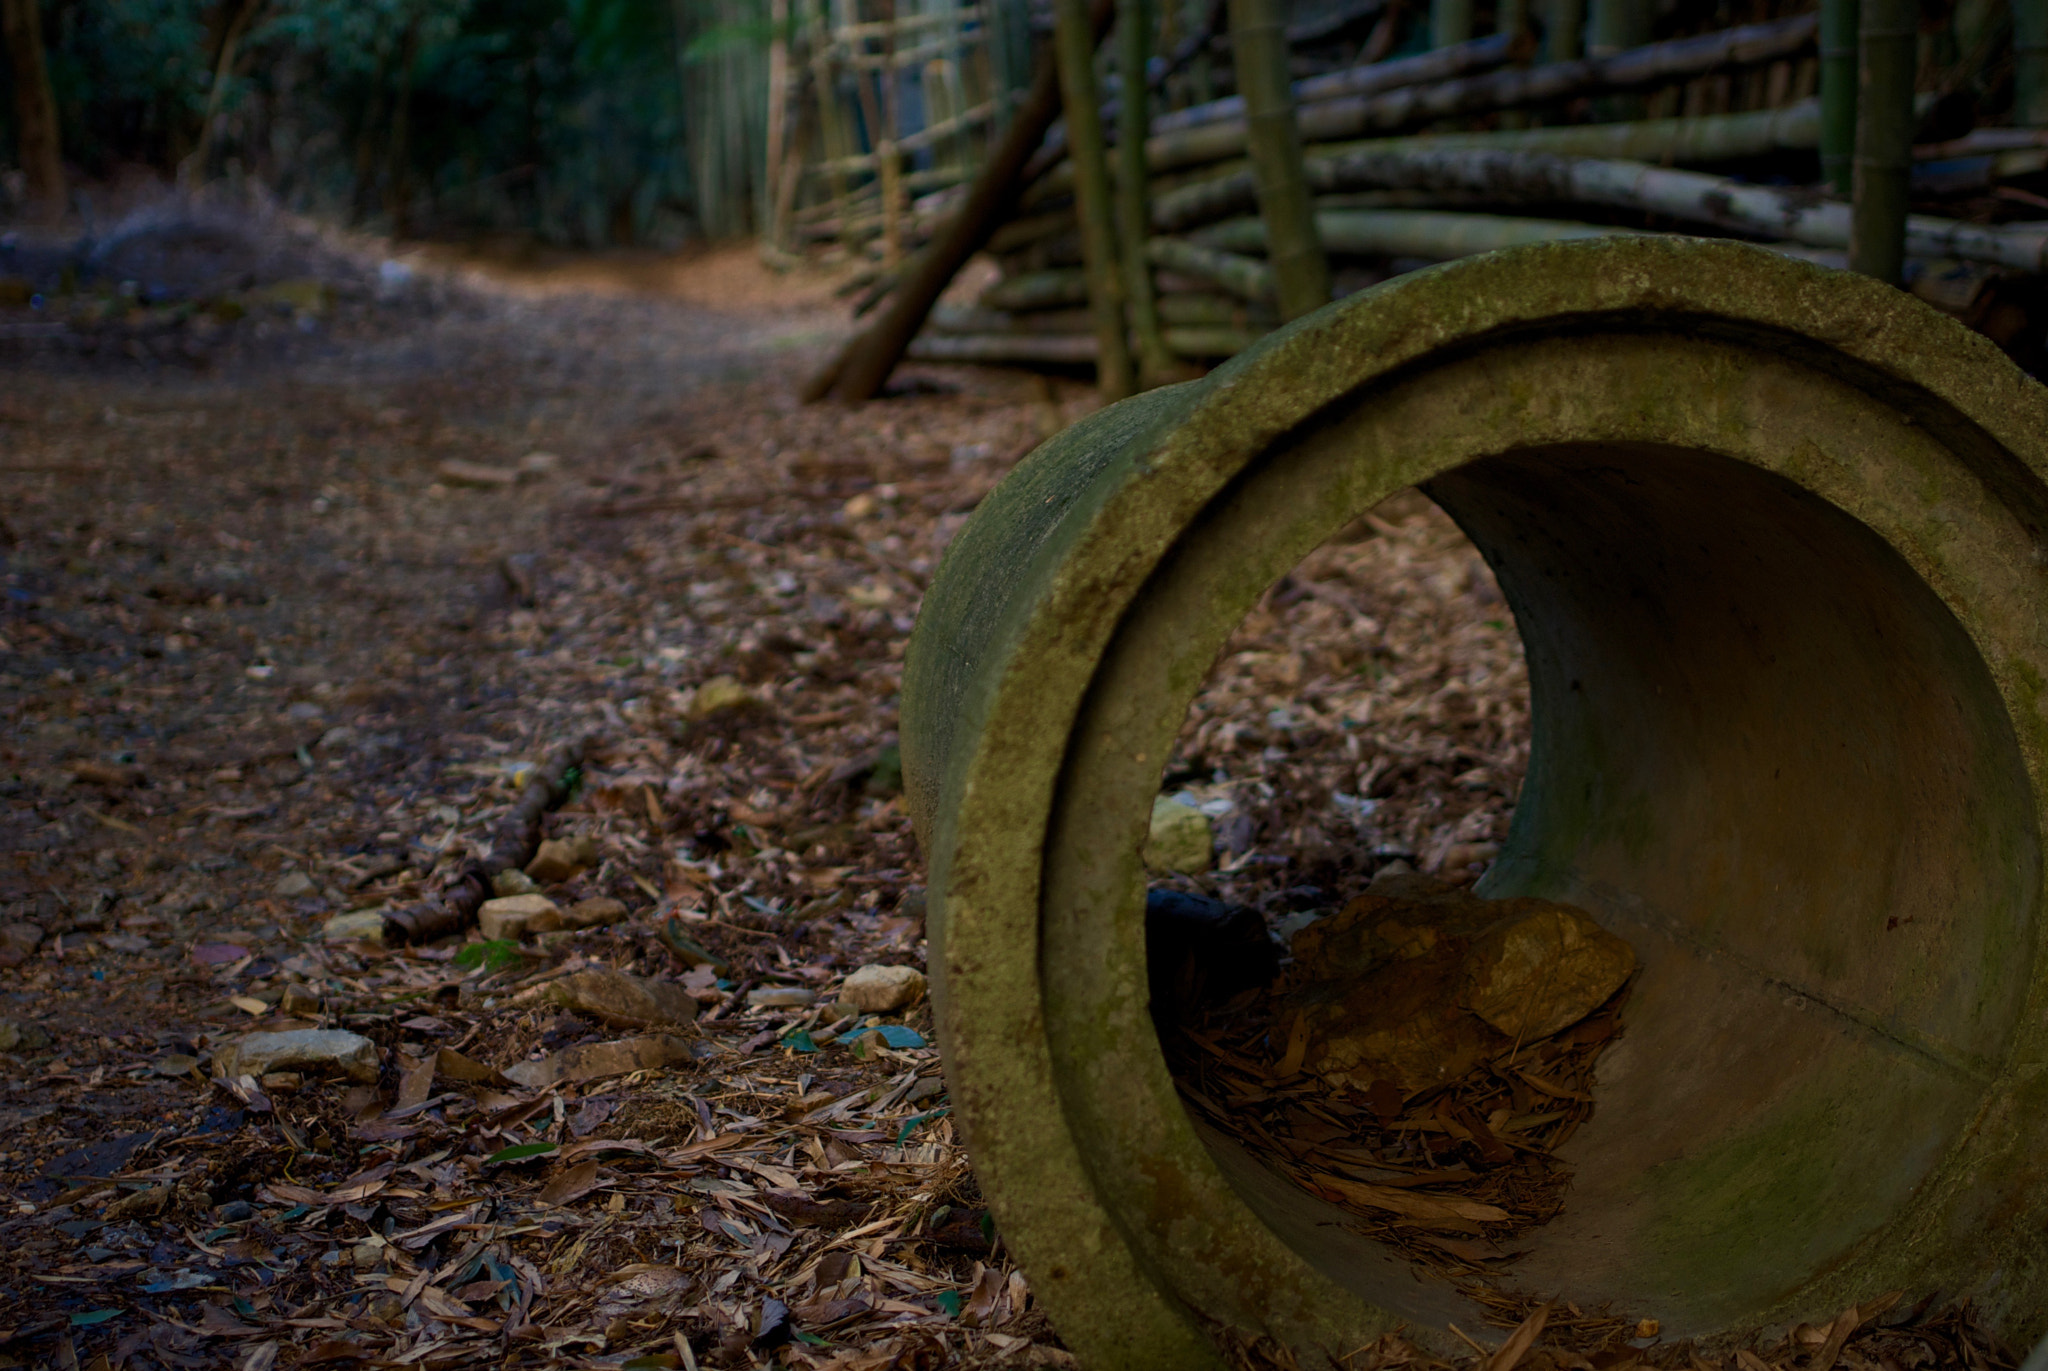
(1774, 540)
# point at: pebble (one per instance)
(595, 913)
(360, 926)
(16, 1036)
(559, 859)
(18, 941)
(512, 881)
(719, 695)
(294, 884)
(235, 1211)
(1181, 838)
(516, 916)
(301, 1000)
(302, 1049)
(622, 999)
(878, 989)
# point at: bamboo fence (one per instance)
(1420, 141)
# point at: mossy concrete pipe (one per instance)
(1774, 540)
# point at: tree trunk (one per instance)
(1838, 25)
(1074, 45)
(35, 108)
(192, 169)
(1133, 199)
(2030, 63)
(861, 367)
(1259, 43)
(1887, 44)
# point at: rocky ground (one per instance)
(296, 602)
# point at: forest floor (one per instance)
(288, 619)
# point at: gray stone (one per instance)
(18, 942)
(1181, 838)
(18, 1036)
(518, 916)
(618, 998)
(302, 1049)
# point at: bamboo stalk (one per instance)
(1183, 310)
(2030, 63)
(1710, 138)
(1246, 277)
(1450, 22)
(1564, 24)
(1074, 48)
(1206, 342)
(1301, 273)
(858, 370)
(778, 100)
(1886, 47)
(958, 319)
(1838, 23)
(1133, 209)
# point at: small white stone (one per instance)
(516, 916)
(360, 926)
(1181, 838)
(302, 1049)
(877, 989)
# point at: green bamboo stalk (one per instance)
(1838, 24)
(1887, 41)
(1564, 27)
(1133, 193)
(1613, 27)
(1301, 272)
(1074, 46)
(2030, 63)
(1450, 22)
(35, 107)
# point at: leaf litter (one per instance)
(271, 669)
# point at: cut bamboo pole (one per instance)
(1329, 169)
(1838, 24)
(1200, 342)
(1245, 277)
(1887, 46)
(1639, 69)
(1370, 78)
(1301, 272)
(1047, 289)
(1133, 207)
(859, 369)
(1721, 201)
(1074, 49)
(1433, 235)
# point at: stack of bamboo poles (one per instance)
(1327, 173)
(883, 108)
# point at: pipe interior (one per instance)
(1766, 753)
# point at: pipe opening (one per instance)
(1766, 755)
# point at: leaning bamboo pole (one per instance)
(2030, 63)
(1887, 47)
(1133, 211)
(1301, 272)
(857, 370)
(1074, 51)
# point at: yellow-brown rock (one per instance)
(1543, 971)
